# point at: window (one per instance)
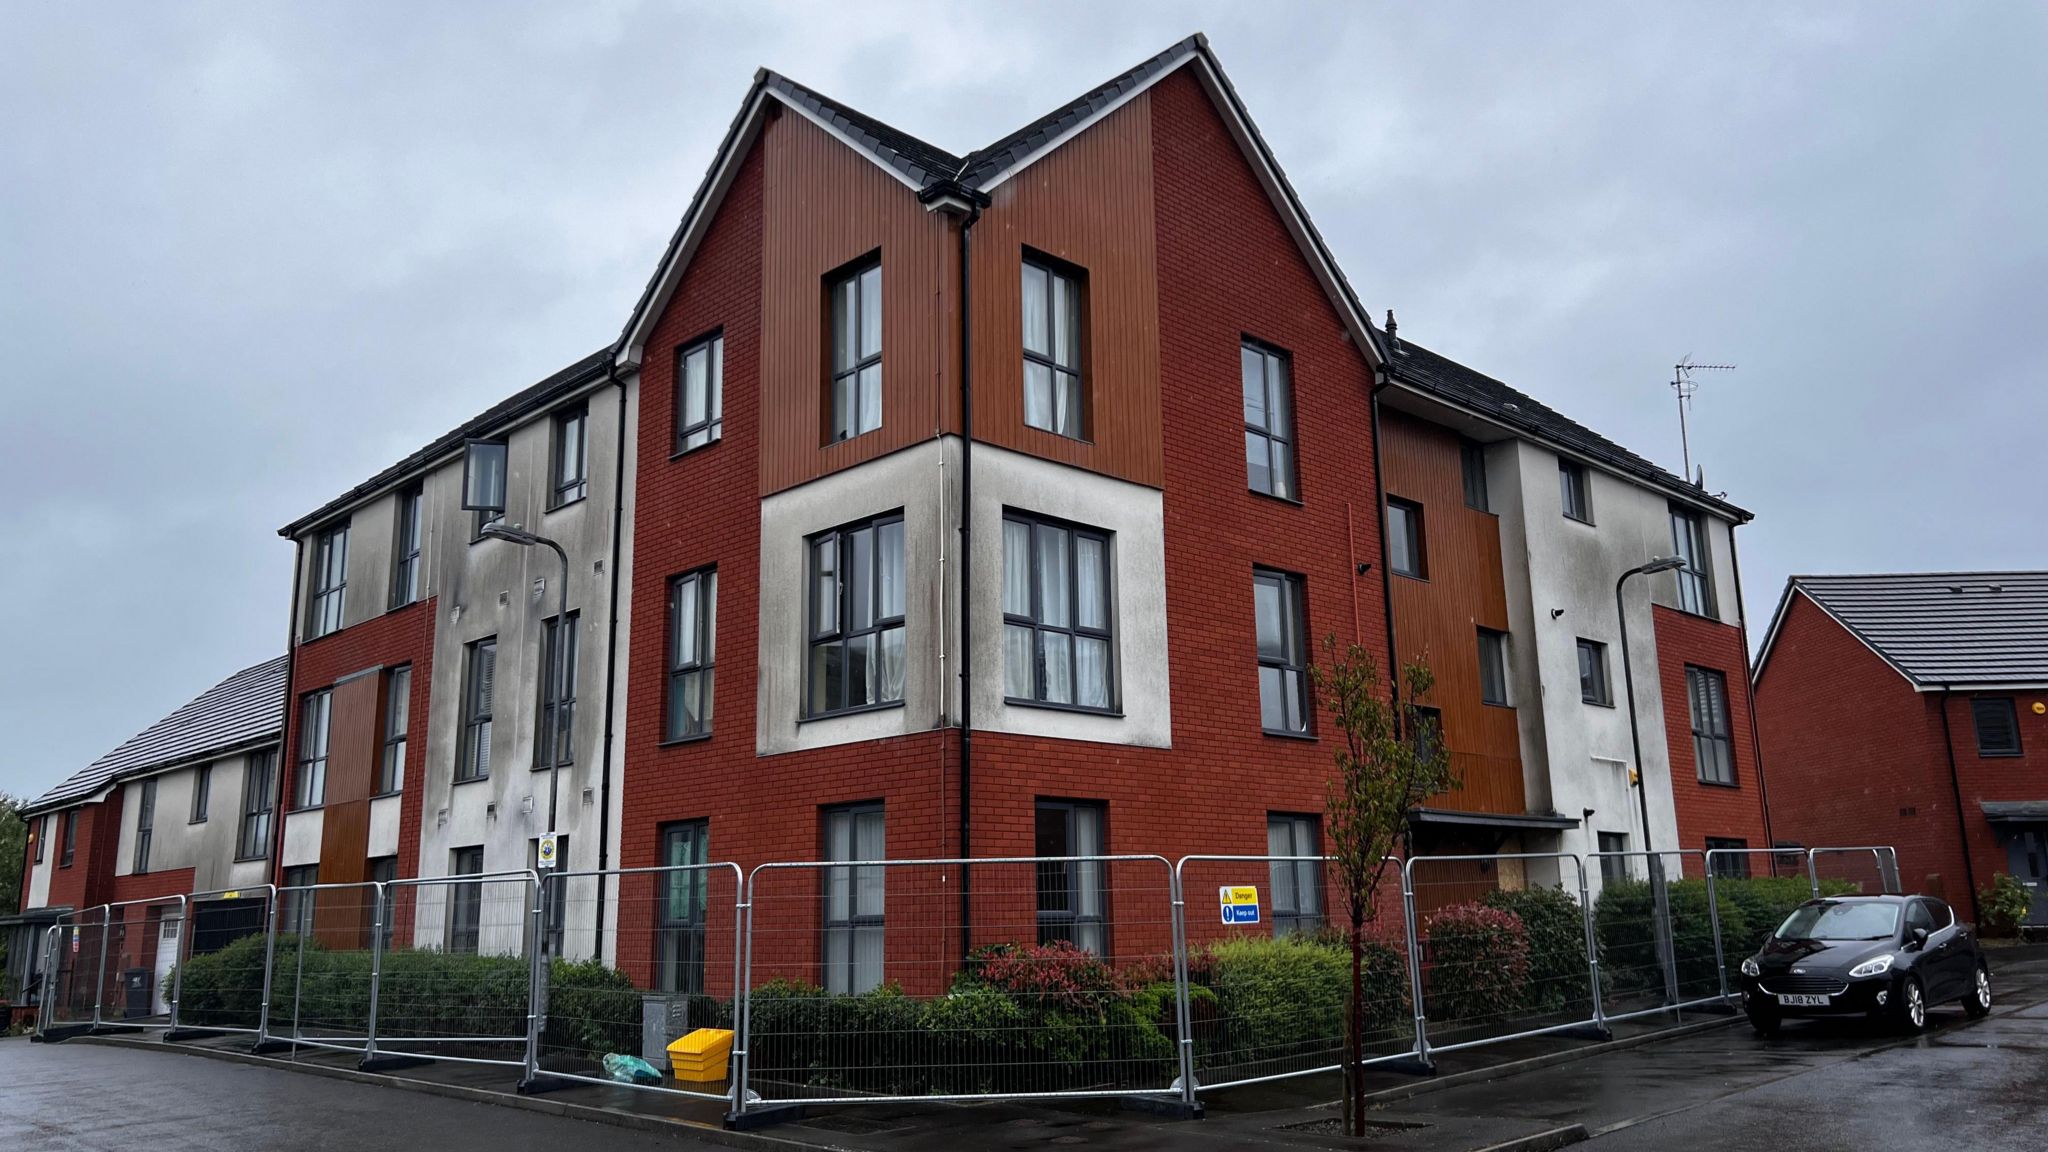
(70, 838)
(1268, 420)
(700, 393)
(397, 723)
(309, 780)
(1405, 553)
(1918, 916)
(1613, 868)
(1712, 744)
(554, 890)
(40, 831)
(145, 824)
(202, 792)
(1493, 667)
(572, 456)
(1053, 311)
(295, 907)
(1735, 865)
(1283, 652)
(405, 549)
(1594, 687)
(692, 634)
(679, 948)
(330, 581)
(853, 899)
(384, 870)
(1695, 582)
(252, 841)
(1998, 726)
(480, 672)
(856, 303)
(1939, 909)
(1572, 489)
(484, 518)
(1298, 884)
(465, 901)
(558, 702)
(856, 611)
(1472, 458)
(1428, 736)
(1073, 895)
(1057, 632)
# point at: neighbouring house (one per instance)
(1911, 709)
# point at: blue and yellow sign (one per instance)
(1240, 903)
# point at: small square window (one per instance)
(1574, 492)
(1998, 727)
(1594, 687)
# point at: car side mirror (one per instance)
(1919, 937)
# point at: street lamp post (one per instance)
(1660, 899)
(558, 670)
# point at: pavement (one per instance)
(1820, 1085)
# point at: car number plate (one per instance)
(1791, 1001)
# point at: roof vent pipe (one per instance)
(1393, 333)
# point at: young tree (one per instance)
(1389, 759)
(13, 851)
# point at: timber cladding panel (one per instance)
(829, 206)
(1088, 205)
(1437, 618)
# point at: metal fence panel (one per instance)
(75, 977)
(865, 985)
(138, 962)
(1864, 871)
(1654, 924)
(227, 993)
(453, 973)
(1753, 890)
(667, 962)
(320, 968)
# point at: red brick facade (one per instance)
(1716, 811)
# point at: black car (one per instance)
(1882, 956)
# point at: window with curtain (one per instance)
(853, 899)
(1713, 744)
(1073, 895)
(692, 633)
(855, 300)
(1297, 884)
(700, 393)
(1283, 652)
(1058, 631)
(1493, 667)
(1053, 312)
(856, 617)
(309, 779)
(679, 946)
(1406, 545)
(1267, 378)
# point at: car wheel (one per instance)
(1764, 1021)
(1912, 1015)
(1977, 1004)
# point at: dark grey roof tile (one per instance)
(1945, 628)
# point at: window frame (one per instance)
(2012, 722)
(1415, 540)
(856, 920)
(145, 825)
(1090, 932)
(392, 750)
(1613, 869)
(1696, 576)
(1428, 719)
(703, 584)
(1472, 467)
(1074, 630)
(69, 843)
(309, 766)
(1602, 695)
(712, 427)
(1287, 437)
(463, 933)
(259, 808)
(473, 748)
(1734, 866)
(855, 273)
(383, 870)
(44, 827)
(1293, 591)
(1290, 918)
(1494, 663)
(326, 604)
(568, 428)
(407, 533)
(680, 943)
(202, 794)
(295, 908)
(553, 695)
(1695, 677)
(1575, 491)
(1055, 272)
(816, 635)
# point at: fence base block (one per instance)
(1410, 1065)
(267, 1047)
(763, 1116)
(113, 1030)
(58, 1033)
(541, 1082)
(181, 1035)
(1172, 1107)
(1600, 1032)
(1721, 1009)
(386, 1061)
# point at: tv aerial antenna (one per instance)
(1684, 385)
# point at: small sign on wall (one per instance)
(1240, 903)
(544, 856)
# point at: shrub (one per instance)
(1760, 904)
(1283, 996)
(1624, 922)
(2004, 905)
(1559, 980)
(1054, 973)
(1478, 963)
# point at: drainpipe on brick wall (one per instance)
(611, 652)
(291, 668)
(1756, 739)
(1955, 784)
(1379, 489)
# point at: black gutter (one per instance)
(1955, 784)
(1756, 738)
(611, 653)
(1379, 488)
(291, 668)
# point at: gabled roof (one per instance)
(245, 710)
(1937, 629)
(1445, 379)
(522, 403)
(928, 170)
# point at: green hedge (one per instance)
(1478, 964)
(1559, 979)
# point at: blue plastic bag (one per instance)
(630, 1069)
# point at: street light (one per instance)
(1661, 909)
(499, 530)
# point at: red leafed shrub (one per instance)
(1052, 973)
(1477, 963)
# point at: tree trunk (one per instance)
(1354, 1034)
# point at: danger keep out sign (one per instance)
(1240, 903)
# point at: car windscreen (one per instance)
(1840, 922)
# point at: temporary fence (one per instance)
(666, 962)
(864, 980)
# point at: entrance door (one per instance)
(166, 956)
(2028, 853)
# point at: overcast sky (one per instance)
(249, 254)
